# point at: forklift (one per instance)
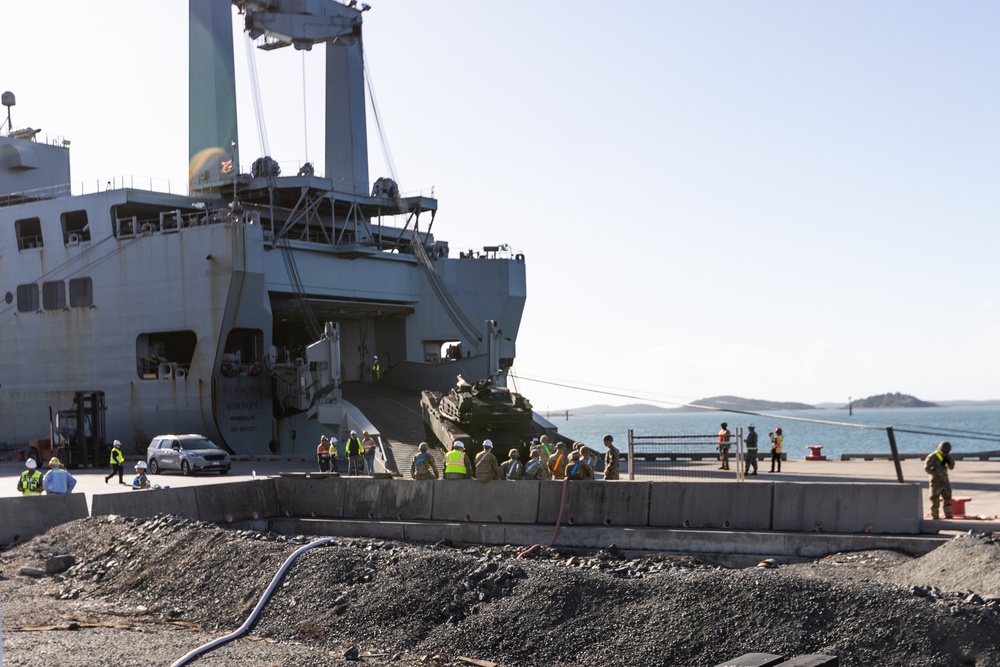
(76, 435)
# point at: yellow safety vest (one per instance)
(116, 456)
(778, 441)
(31, 483)
(455, 462)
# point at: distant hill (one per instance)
(896, 400)
(631, 409)
(748, 404)
(716, 402)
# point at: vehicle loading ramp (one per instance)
(395, 412)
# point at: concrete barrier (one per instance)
(388, 499)
(305, 497)
(595, 503)
(24, 517)
(493, 502)
(848, 508)
(180, 501)
(711, 505)
(238, 501)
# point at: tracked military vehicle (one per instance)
(478, 411)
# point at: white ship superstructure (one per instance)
(194, 313)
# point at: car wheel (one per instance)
(154, 467)
(185, 468)
(224, 472)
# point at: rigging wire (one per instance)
(939, 432)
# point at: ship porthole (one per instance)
(9, 298)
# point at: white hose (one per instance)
(215, 643)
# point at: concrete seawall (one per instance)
(796, 519)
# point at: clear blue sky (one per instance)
(791, 201)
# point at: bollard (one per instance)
(814, 453)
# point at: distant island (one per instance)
(738, 404)
(896, 400)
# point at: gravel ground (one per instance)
(147, 591)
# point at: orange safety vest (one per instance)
(455, 462)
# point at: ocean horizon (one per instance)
(917, 430)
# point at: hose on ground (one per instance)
(562, 506)
(247, 624)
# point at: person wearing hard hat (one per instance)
(487, 466)
(456, 464)
(376, 369)
(751, 443)
(423, 466)
(30, 483)
(334, 465)
(937, 464)
(355, 454)
(117, 463)
(58, 479)
(777, 442)
(141, 482)
(369, 444)
(725, 436)
(323, 454)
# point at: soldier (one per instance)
(937, 464)
(611, 459)
(512, 468)
(487, 468)
(456, 462)
(557, 463)
(577, 468)
(534, 469)
(423, 466)
(751, 443)
(588, 456)
(546, 451)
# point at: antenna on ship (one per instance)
(8, 101)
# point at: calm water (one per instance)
(955, 424)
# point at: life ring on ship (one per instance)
(73, 238)
(147, 228)
(519, 256)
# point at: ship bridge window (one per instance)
(75, 227)
(54, 295)
(27, 298)
(81, 292)
(243, 352)
(29, 233)
(164, 355)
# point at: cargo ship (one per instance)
(239, 309)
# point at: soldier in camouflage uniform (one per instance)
(610, 459)
(557, 462)
(512, 468)
(487, 468)
(937, 464)
(423, 466)
(577, 467)
(534, 468)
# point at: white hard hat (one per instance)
(376, 356)
(353, 432)
(31, 464)
(141, 465)
(458, 445)
(118, 443)
(487, 444)
(333, 439)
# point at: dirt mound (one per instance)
(171, 584)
